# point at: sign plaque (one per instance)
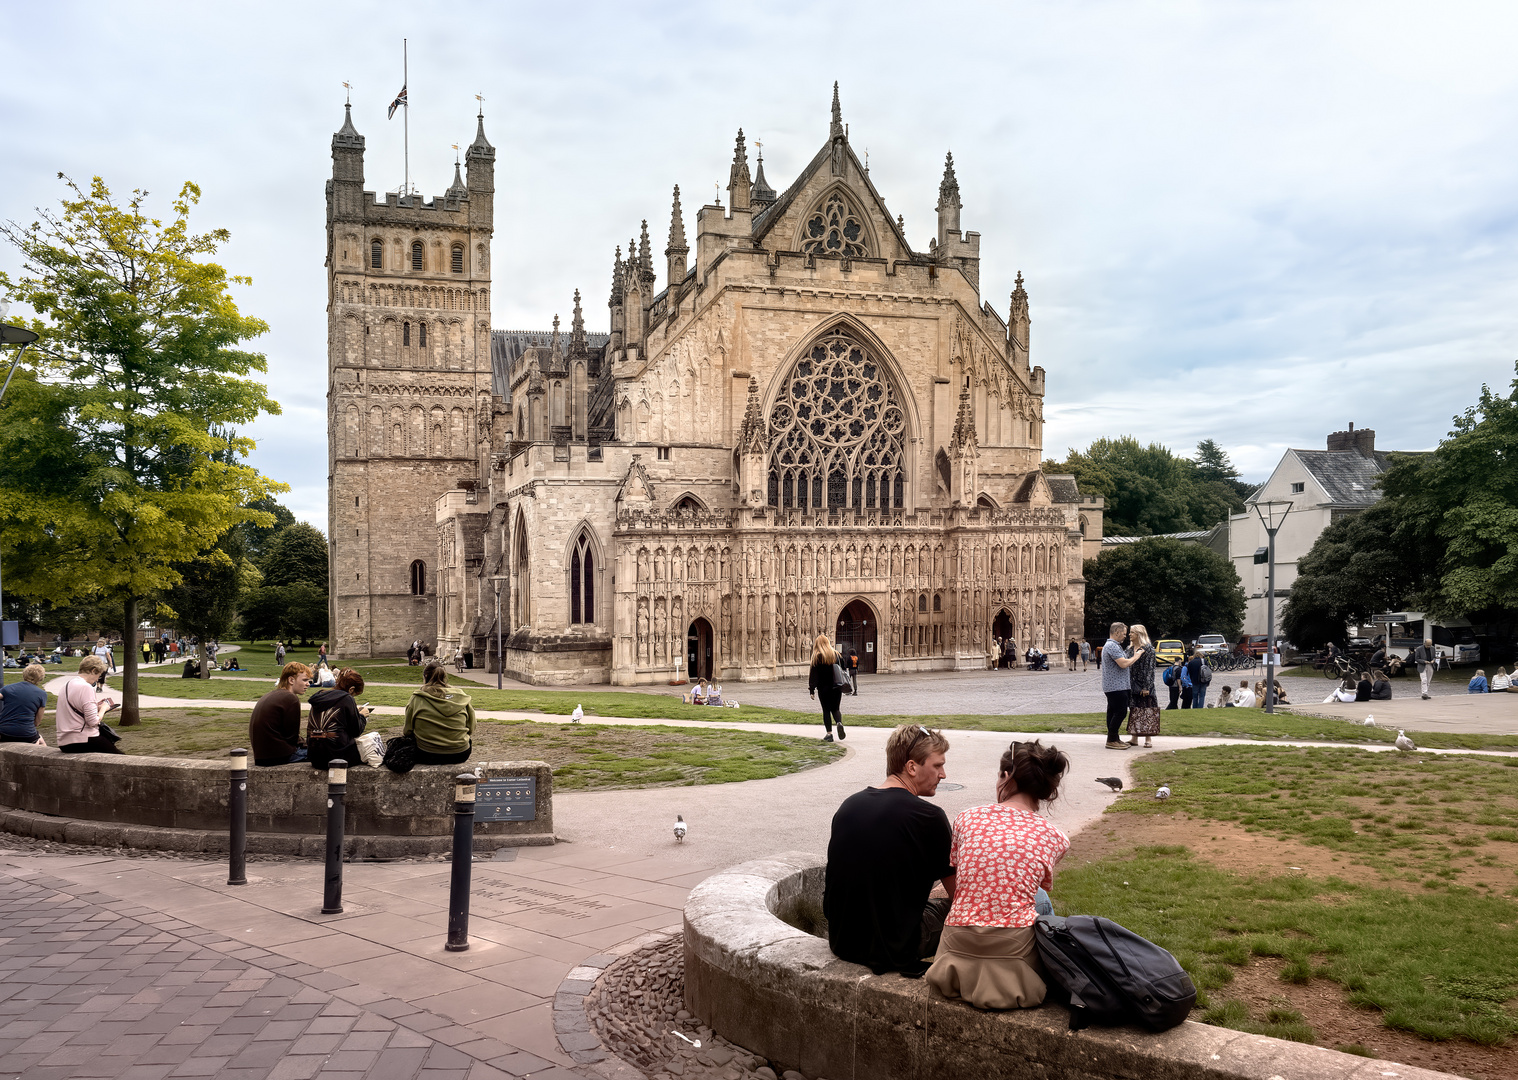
(511, 798)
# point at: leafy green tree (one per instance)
(291, 612)
(204, 601)
(119, 437)
(1148, 489)
(297, 553)
(255, 537)
(1174, 589)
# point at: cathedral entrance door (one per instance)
(698, 650)
(856, 627)
(1001, 626)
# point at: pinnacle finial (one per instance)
(837, 125)
(948, 188)
(740, 152)
(676, 227)
(645, 260)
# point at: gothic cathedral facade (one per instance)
(811, 428)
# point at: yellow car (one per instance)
(1169, 652)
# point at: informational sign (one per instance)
(10, 632)
(869, 646)
(511, 798)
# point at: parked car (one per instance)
(1253, 644)
(1207, 644)
(1170, 651)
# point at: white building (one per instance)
(1322, 486)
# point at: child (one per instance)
(1225, 698)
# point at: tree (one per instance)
(297, 553)
(1174, 589)
(1213, 466)
(256, 537)
(204, 602)
(122, 460)
(1148, 489)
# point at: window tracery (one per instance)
(834, 229)
(837, 431)
(582, 582)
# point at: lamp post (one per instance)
(1266, 512)
(10, 335)
(500, 652)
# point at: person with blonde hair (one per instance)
(81, 713)
(23, 705)
(1143, 706)
(440, 719)
(823, 684)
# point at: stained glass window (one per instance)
(837, 419)
(834, 229)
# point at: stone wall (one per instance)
(180, 804)
(774, 988)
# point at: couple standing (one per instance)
(1128, 682)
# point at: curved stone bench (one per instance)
(756, 975)
(180, 804)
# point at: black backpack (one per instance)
(1112, 975)
(1204, 673)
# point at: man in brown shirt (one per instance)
(274, 728)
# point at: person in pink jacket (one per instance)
(80, 712)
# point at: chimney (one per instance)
(1362, 441)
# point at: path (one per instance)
(1488, 714)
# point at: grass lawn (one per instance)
(1419, 922)
(583, 757)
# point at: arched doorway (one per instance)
(1001, 626)
(698, 650)
(856, 627)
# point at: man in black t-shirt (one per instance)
(888, 847)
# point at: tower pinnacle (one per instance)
(836, 130)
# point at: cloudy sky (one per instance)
(1254, 222)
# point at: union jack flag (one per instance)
(400, 99)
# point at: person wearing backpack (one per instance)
(1003, 857)
(1200, 675)
(827, 682)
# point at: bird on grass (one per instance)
(576, 716)
(1369, 721)
(1111, 781)
(1163, 792)
(1403, 742)
(679, 829)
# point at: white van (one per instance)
(1454, 640)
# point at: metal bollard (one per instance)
(237, 810)
(337, 788)
(463, 862)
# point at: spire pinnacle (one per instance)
(481, 145)
(836, 129)
(577, 329)
(554, 350)
(347, 137)
(739, 187)
(676, 227)
(948, 188)
(645, 260)
(762, 194)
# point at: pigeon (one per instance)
(1163, 792)
(1369, 721)
(1403, 742)
(576, 716)
(679, 829)
(1111, 781)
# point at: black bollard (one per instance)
(237, 810)
(463, 862)
(337, 787)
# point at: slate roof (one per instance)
(1197, 535)
(507, 347)
(1063, 489)
(1348, 476)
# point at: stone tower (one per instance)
(408, 400)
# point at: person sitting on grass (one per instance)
(1003, 857)
(81, 712)
(888, 847)
(336, 722)
(1364, 687)
(274, 727)
(323, 675)
(1477, 685)
(23, 704)
(1281, 694)
(231, 665)
(698, 693)
(440, 720)
(1380, 687)
(1225, 697)
(1502, 682)
(1344, 692)
(1243, 697)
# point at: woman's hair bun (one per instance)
(1034, 768)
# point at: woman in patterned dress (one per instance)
(1003, 856)
(1141, 679)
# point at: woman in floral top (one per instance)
(1003, 857)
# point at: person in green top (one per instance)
(440, 720)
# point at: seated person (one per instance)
(1477, 685)
(191, 669)
(323, 676)
(440, 720)
(1225, 697)
(1281, 694)
(1502, 682)
(1344, 692)
(274, 728)
(1003, 856)
(1243, 697)
(336, 721)
(1380, 689)
(81, 712)
(888, 847)
(714, 695)
(21, 707)
(698, 693)
(1364, 687)
(1037, 661)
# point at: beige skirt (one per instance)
(992, 967)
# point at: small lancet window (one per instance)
(377, 255)
(416, 255)
(421, 334)
(418, 578)
(406, 334)
(582, 582)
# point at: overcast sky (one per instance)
(1254, 222)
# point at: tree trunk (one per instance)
(131, 714)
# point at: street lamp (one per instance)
(1266, 512)
(500, 651)
(10, 335)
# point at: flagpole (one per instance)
(406, 105)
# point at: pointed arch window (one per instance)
(582, 582)
(406, 334)
(421, 334)
(833, 228)
(376, 255)
(416, 255)
(838, 431)
(418, 578)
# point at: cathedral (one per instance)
(807, 428)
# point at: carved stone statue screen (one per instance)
(836, 429)
(834, 229)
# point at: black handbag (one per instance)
(400, 754)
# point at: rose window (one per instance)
(836, 432)
(834, 229)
